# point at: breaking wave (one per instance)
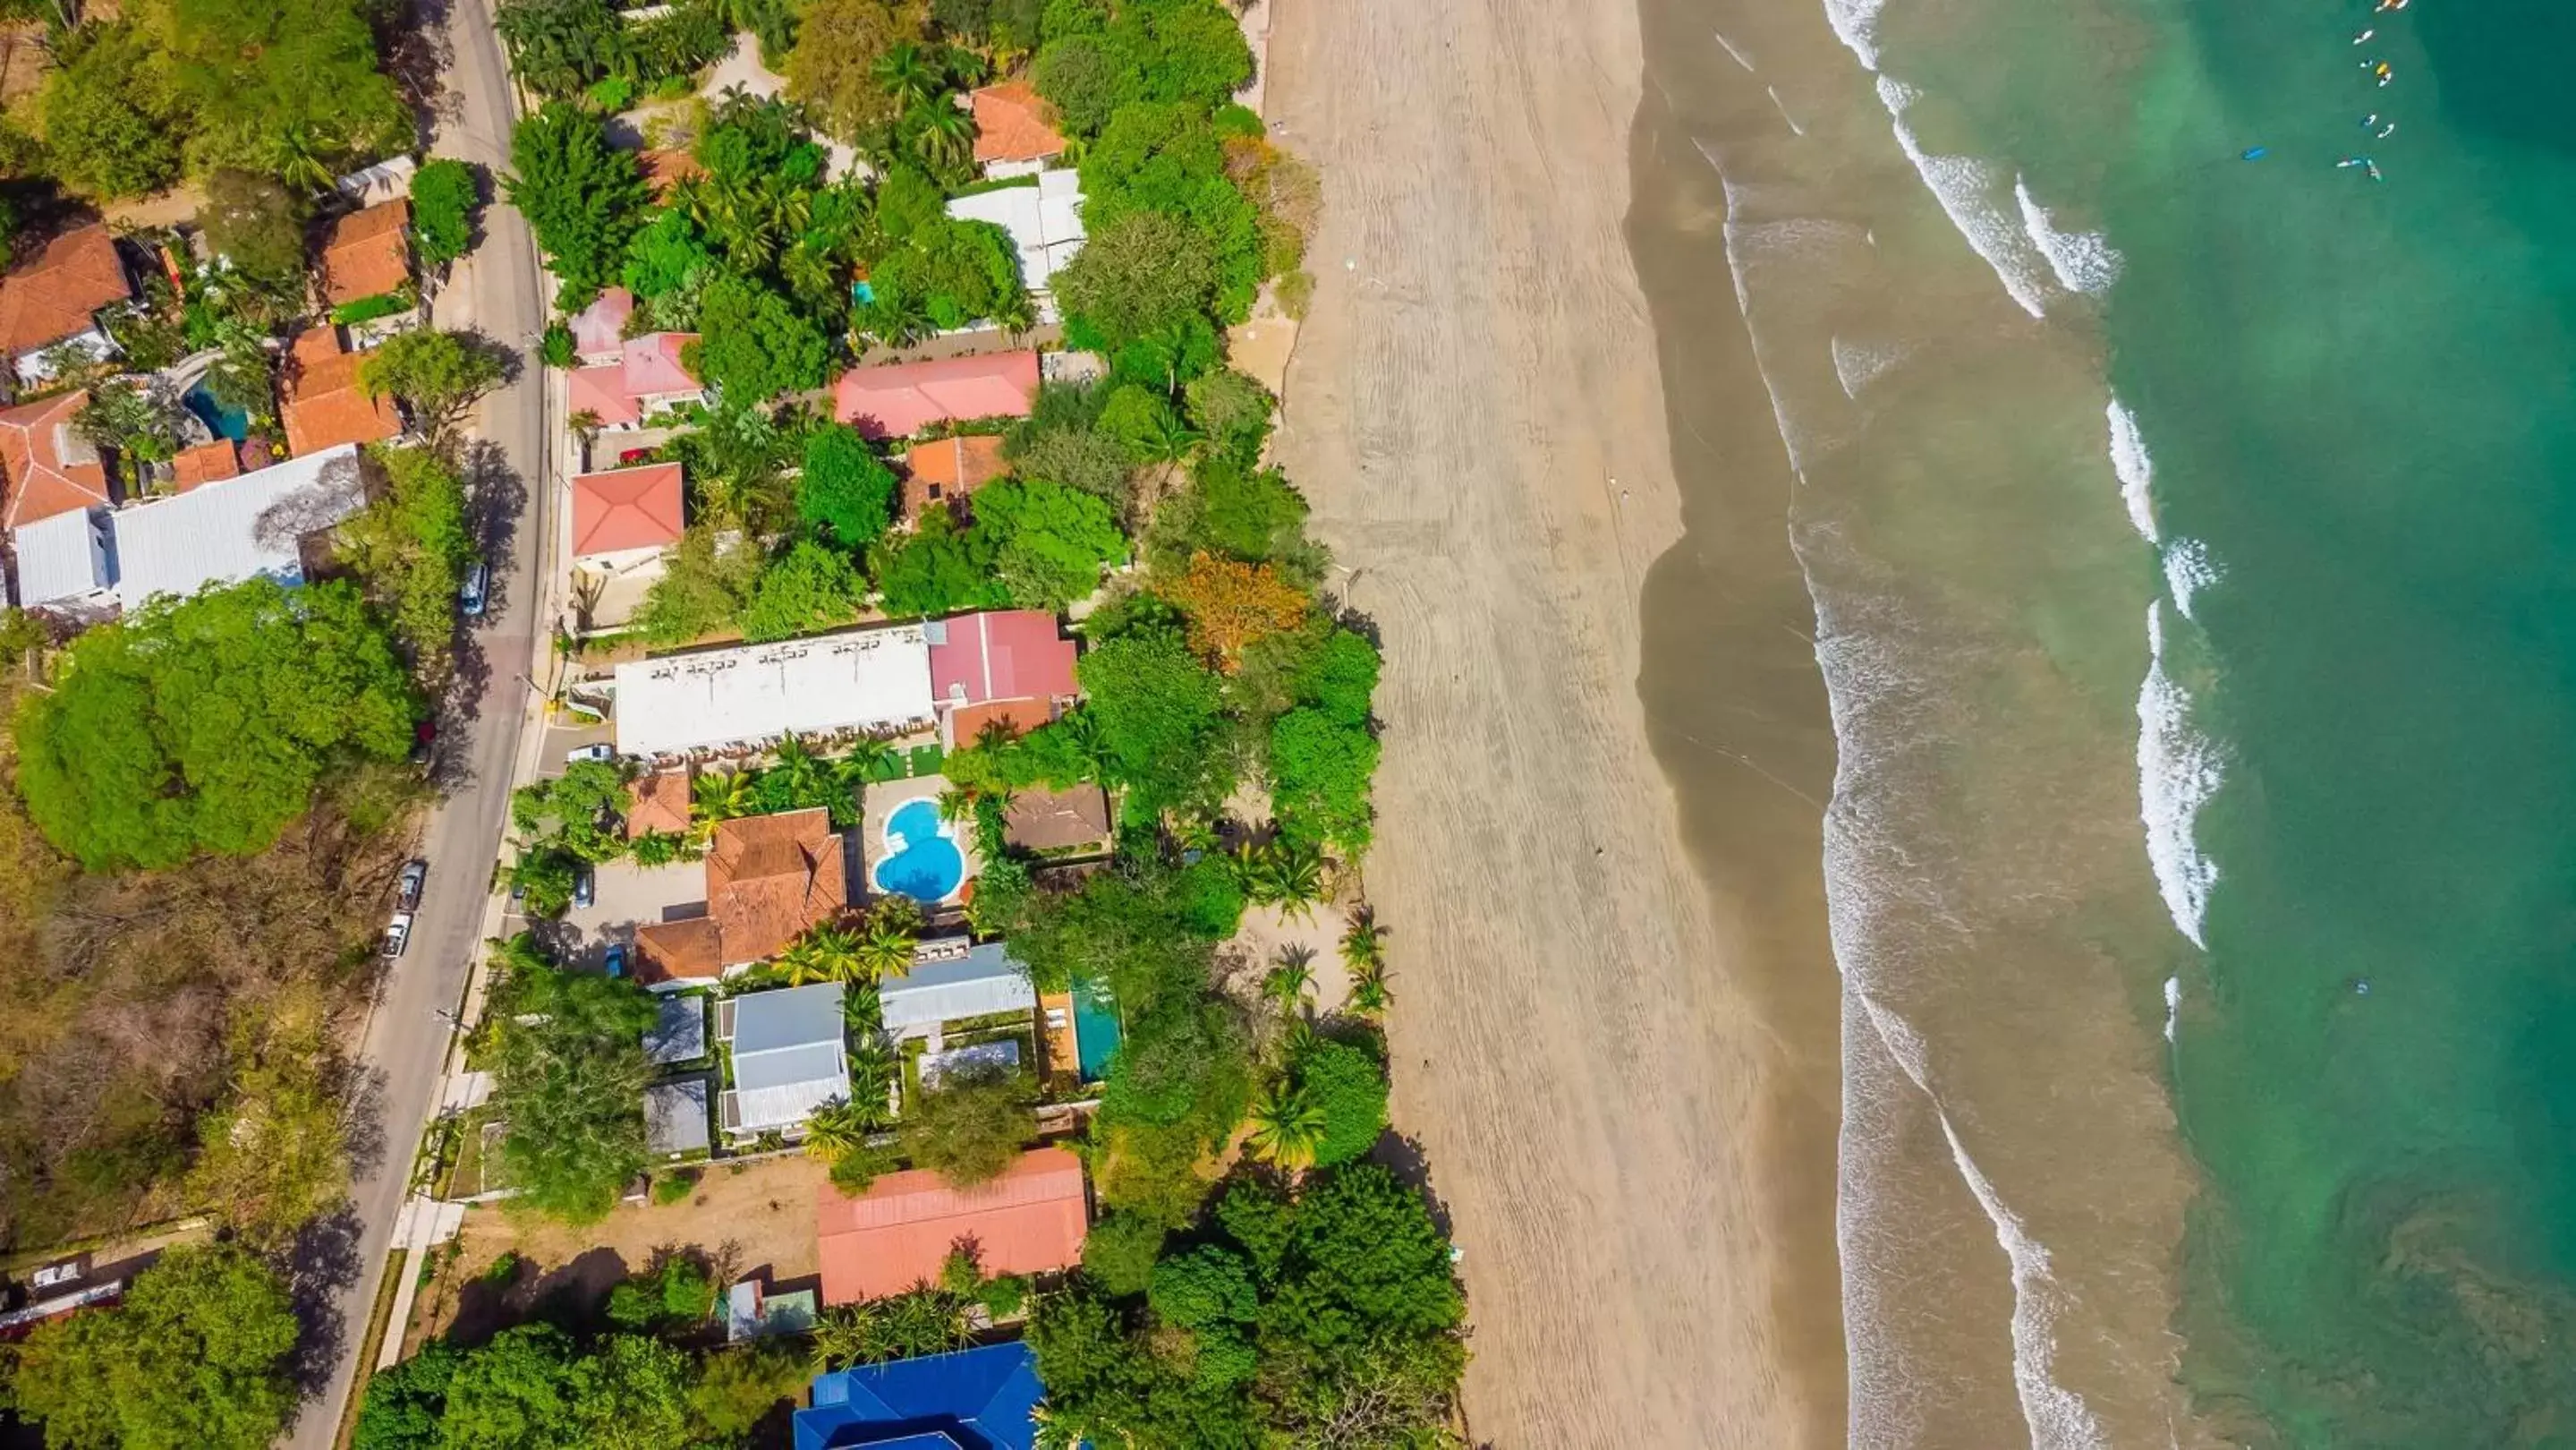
(2178, 771)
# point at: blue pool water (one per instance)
(922, 861)
(1095, 1028)
(232, 423)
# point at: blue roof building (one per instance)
(974, 1399)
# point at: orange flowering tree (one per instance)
(1231, 605)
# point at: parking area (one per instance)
(628, 896)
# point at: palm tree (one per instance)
(941, 132)
(827, 953)
(873, 1073)
(1369, 994)
(802, 769)
(1017, 314)
(720, 795)
(1055, 1430)
(885, 946)
(904, 73)
(1288, 980)
(1286, 1129)
(297, 157)
(955, 804)
(867, 759)
(1286, 873)
(897, 318)
(836, 1128)
(926, 1320)
(851, 1334)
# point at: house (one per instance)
(623, 519)
(56, 298)
(1057, 820)
(1015, 131)
(1031, 1220)
(1045, 222)
(951, 979)
(52, 469)
(658, 802)
(675, 1117)
(770, 879)
(1007, 665)
(970, 1399)
(665, 170)
(646, 377)
(599, 330)
(367, 253)
(205, 463)
(217, 533)
(900, 399)
(325, 406)
(787, 1058)
(941, 473)
(865, 679)
(679, 1030)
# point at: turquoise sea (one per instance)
(2354, 397)
(2193, 544)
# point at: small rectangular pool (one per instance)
(1095, 1029)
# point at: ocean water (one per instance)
(2193, 548)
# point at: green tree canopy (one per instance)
(196, 1355)
(1144, 272)
(411, 545)
(570, 1085)
(582, 197)
(846, 493)
(1050, 542)
(112, 116)
(833, 67)
(704, 588)
(755, 344)
(258, 222)
(204, 724)
(444, 196)
(440, 374)
(1347, 1084)
(558, 47)
(938, 568)
(1320, 769)
(972, 1126)
(288, 86)
(809, 589)
(1158, 710)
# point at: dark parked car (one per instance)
(407, 887)
(616, 959)
(478, 585)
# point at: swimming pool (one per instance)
(1095, 1028)
(922, 860)
(231, 423)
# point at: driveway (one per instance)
(405, 1048)
(624, 897)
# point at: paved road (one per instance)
(496, 290)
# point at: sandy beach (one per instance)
(1614, 1037)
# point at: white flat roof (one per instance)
(1045, 221)
(63, 557)
(235, 529)
(869, 679)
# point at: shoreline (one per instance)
(1620, 1062)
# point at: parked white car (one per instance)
(397, 934)
(602, 753)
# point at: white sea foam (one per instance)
(1857, 365)
(2136, 470)
(2083, 261)
(1856, 22)
(2173, 1007)
(1740, 58)
(1966, 187)
(2188, 570)
(1782, 107)
(2178, 771)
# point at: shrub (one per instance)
(670, 1188)
(1120, 1252)
(369, 309)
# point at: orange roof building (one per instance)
(324, 405)
(1031, 1220)
(897, 400)
(57, 295)
(368, 253)
(658, 803)
(665, 170)
(626, 510)
(52, 470)
(205, 463)
(943, 472)
(1014, 124)
(770, 879)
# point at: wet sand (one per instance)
(1616, 1029)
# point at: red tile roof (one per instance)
(1031, 1220)
(1001, 654)
(665, 170)
(900, 400)
(948, 470)
(601, 392)
(1048, 820)
(51, 469)
(600, 328)
(325, 407)
(678, 951)
(626, 508)
(771, 878)
(658, 802)
(206, 463)
(1014, 123)
(368, 252)
(653, 366)
(54, 296)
